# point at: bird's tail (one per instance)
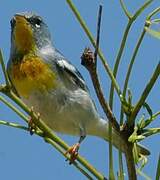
(119, 144)
(116, 139)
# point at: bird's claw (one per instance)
(31, 125)
(73, 151)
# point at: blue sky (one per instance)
(28, 157)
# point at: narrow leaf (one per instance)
(149, 110)
(152, 32)
(142, 8)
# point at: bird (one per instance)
(44, 79)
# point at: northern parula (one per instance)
(44, 79)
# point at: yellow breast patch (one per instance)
(31, 75)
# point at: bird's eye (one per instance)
(37, 22)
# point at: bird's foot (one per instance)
(73, 151)
(31, 125)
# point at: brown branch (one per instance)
(130, 162)
(88, 61)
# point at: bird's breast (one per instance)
(32, 74)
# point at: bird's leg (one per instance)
(73, 151)
(31, 125)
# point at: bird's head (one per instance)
(28, 33)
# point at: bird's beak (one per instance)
(20, 19)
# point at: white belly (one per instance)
(65, 112)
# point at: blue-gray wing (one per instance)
(70, 74)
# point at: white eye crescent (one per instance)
(37, 25)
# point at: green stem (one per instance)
(144, 95)
(14, 125)
(150, 120)
(130, 163)
(130, 70)
(4, 70)
(158, 169)
(154, 116)
(132, 62)
(117, 62)
(125, 9)
(16, 110)
(141, 9)
(112, 90)
(154, 12)
(121, 171)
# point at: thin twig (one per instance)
(98, 34)
(16, 110)
(103, 102)
(141, 9)
(14, 125)
(158, 169)
(117, 62)
(125, 9)
(154, 12)
(130, 70)
(112, 86)
(88, 62)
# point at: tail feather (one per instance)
(101, 130)
(121, 146)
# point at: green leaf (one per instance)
(155, 21)
(141, 123)
(134, 137)
(135, 153)
(144, 161)
(129, 97)
(151, 131)
(152, 32)
(142, 8)
(149, 110)
(143, 175)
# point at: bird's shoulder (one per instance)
(65, 68)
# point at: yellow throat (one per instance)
(23, 35)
